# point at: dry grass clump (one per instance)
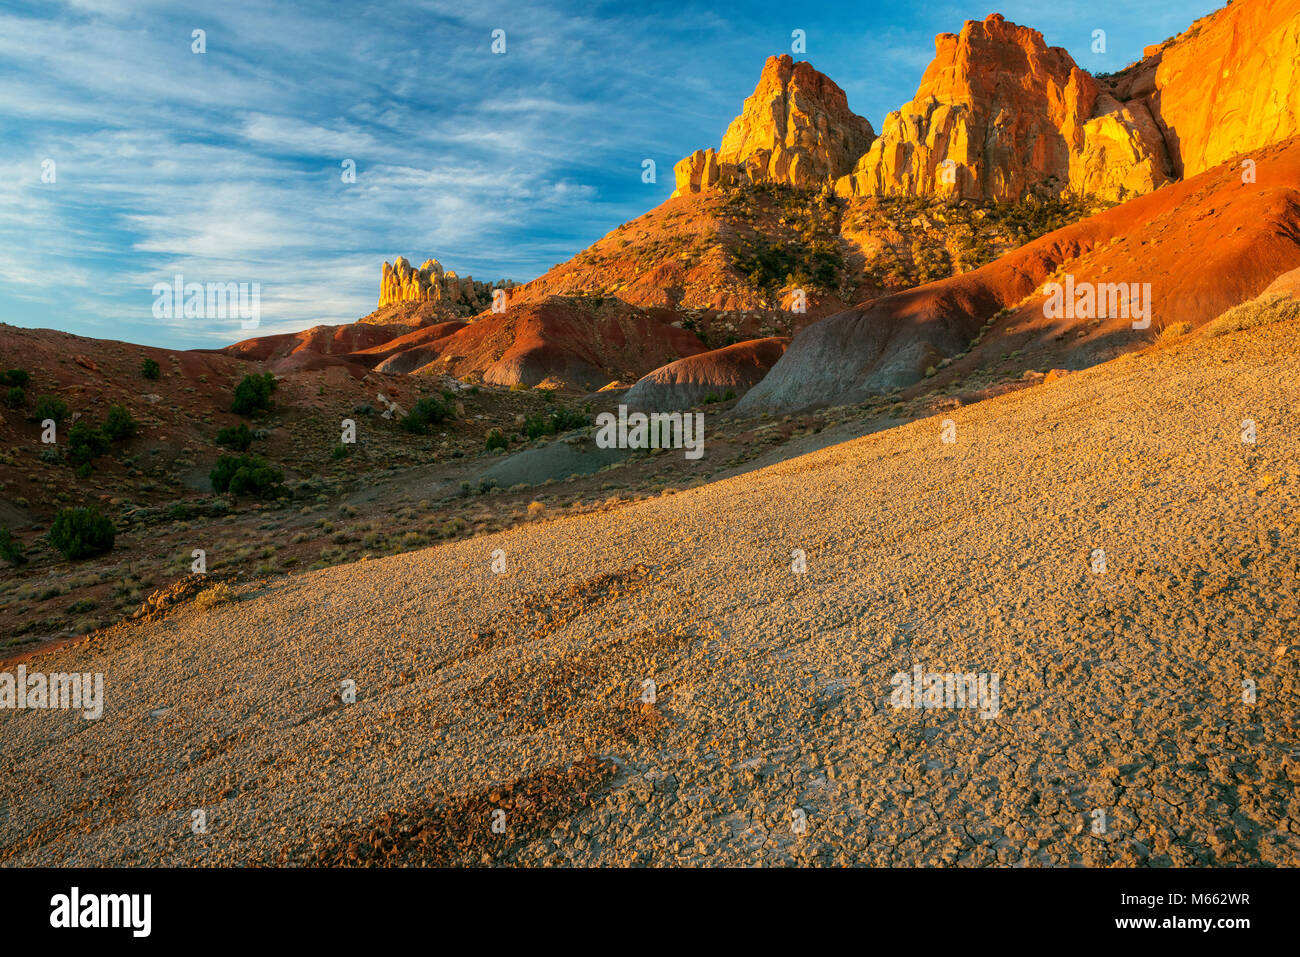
(218, 594)
(1274, 307)
(1175, 331)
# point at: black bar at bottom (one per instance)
(371, 906)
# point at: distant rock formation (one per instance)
(401, 282)
(1000, 115)
(796, 129)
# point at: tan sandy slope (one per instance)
(1121, 692)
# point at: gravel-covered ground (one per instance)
(1121, 734)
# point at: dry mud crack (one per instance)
(1121, 692)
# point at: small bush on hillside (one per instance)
(10, 550)
(218, 594)
(428, 412)
(119, 425)
(48, 407)
(1175, 331)
(1275, 307)
(253, 394)
(85, 443)
(237, 437)
(18, 377)
(245, 474)
(550, 423)
(495, 440)
(15, 397)
(150, 369)
(82, 532)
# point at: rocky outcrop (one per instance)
(401, 282)
(1123, 152)
(796, 129)
(687, 382)
(1000, 115)
(1226, 86)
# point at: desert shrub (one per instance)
(340, 451)
(85, 442)
(536, 509)
(119, 425)
(150, 369)
(427, 413)
(82, 532)
(1175, 330)
(237, 437)
(1274, 307)
(178, 512)
(549, 423)
(15, 397)
(218, 594)
(18, 377)
(253, 394)
(518, 387)
(10, 550)
(245, 474)
(495, 440)
(49, 407)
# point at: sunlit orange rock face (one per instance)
(1000, 115)
(1227, 85)
(796, 129)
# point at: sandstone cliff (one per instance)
(796, 128)
(1226, 86)
(1000, 115)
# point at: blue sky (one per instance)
(226, 166)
